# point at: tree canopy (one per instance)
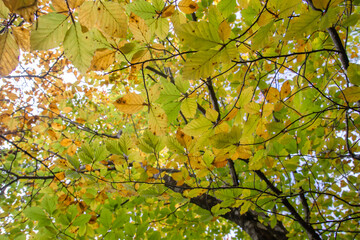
(177, 119)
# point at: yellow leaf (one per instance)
(183, 139)
(352, 94)
(252, 108)
(168, 11)
(22, 37)
(111, 19)
(272, 94)
(66, 142)
(187, 6)
(320, 4)
(285, 90)
(157, 120)
(66, 109)
(267, 109)
(261, 130)
(233, 112)
(9, 53)
(61, 6)
(243, 152)
(57, 126)
(60, 176)
(102, 59)
(188, 107)
(211, 114)
(130, 103)
(224, 30)
(151, 171)
(194, 192)
(88, 14)
(139, 29)
(71, 150)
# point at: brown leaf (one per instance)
(22, 37)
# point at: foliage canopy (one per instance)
(193, 119)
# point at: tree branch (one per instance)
(248, 221)
(313, 235)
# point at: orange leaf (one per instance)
(71, 150)
(285, 90)
(57, 126)
(66, 142)
(272, 94)
(60, 176)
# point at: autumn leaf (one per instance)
(168, 11)
(187, 6)
(9, 53)
(66, 142)
(224, 30)
(130, 103)
(272, 95)
(102, 59)
(22, 38)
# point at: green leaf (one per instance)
(200, 65)
(169, 93)
(74, 161)
(37, 214)
(160, 26)
(353, 73)
(172, 110)
(174, 145)
(142, 8)
(197, 126)
(49, 32)
(226, 7)
(303, 25)
(188, 107)
(198, 35)
(81, 220)
(158, 5)
(105, 218)
(262, 36)
(78, 47)
(257, 161)
(49, 204)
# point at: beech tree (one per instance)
(177, 119)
